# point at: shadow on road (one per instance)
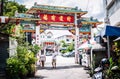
(60, 67)
(37, 77)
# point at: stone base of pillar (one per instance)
(76, 59)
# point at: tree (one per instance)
(70, 47)
(12, 6)
(9, 8)
(63, 43)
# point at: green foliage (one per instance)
(70, 47)
(35, 49)
(117, 48)
(15, 67)
(108, 71)
(24, 62)
(7, 28)
(9, 9)
(63, 43)
(12, 6)
(63, 51)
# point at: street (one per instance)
(66, 69)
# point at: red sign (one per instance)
(56, 18)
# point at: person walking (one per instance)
(80, 58)
(54, 55)
(42, 58)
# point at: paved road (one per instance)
(66, 69)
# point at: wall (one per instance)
(12, 47)
(115, 18)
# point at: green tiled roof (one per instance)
(61, 9)
(91, 19)
(23, 15)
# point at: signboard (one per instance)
(28, 25)
(85, 29)
(38, 35)
(56, 18)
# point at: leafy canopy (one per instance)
(9, 9)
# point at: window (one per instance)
(67, 39)
(48, 36)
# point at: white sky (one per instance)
(94, 7)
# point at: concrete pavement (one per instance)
(66, 69)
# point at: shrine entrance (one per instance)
(41, 17)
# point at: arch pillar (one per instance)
(76, 39)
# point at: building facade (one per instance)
(112, 12)
(66, 38)
(47, 41)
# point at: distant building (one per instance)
(67, 38)
(47, 40)
(112, 12)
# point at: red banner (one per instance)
(56, 18)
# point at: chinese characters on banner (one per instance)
(38, 35)
(56, 18)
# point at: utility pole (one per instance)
(1, 8)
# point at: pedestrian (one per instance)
(80, 58)
(42, 58)
(54, 55)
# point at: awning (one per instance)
(85, 45)
(111, 31)
(98, 47)
(88, 44)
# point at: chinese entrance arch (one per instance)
(39, 17)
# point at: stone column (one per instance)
(76, 39)
(37, 31)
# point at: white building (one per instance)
(112, 11)
(66, 38)
(47, 40)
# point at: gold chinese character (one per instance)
(45, 17)
(69, 18)
(61, 18)
(53, 17)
